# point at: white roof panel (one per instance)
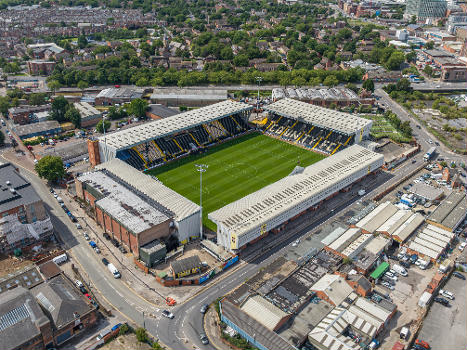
(127, 138)
(323, 117)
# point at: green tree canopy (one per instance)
(138, 107)
(72, 115)
(103, 123)
(330, 81)
(50, 168)
(2, 138)
(369, 85)
(59, 108)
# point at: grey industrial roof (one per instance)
(186, 264)
(161, 110)
(263, 311)
(428, 192)
(30, 109)
(451, 210)
(120, 93)
(323, 117)
(129, 209)
(27, 278)
(86, 110)
(67, 151)
(431, 241)
(269, 339)
(192, 94)
(154, 189)
(60, 300)
(23, 193)
(24, 130)
(331, 94)
(377, 217)
(259, 207)
(127, 138)
(20, 318)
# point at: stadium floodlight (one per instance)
(201, 168)
(259, 80)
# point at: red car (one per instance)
(422, 343)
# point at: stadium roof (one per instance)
(269, 202)
(176, 203)
(159, 128)
(319, 116)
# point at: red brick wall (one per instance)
(99, 217)
(93, 151)
(323, 296)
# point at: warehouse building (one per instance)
(344, 124)
(185, 212)
(176, 97)
(158, 111)
(320, 97)
(47, 128)
(26, 114)
(430, 242)
(377, 217)
(90, 116)
(332, 289)
(249, 218)
(450, 213)
(112, 96)
(127, 216)
(427, 192)
(265, 312)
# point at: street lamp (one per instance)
(103, 127)
(258, 80)
(201, 168)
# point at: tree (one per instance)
(428, 70)
(241, 61)
(430, 45)
(50, 168)
(369, 85)
(104, 123)
(330, 81)
(141, 335)
(82, 85)
(54, 85)
(59, 108)
(395, 60)
(157, 346)
(82, 41)
(138, 107)
(37, 99)
(72, 115)
(2, 138)
(403, 85)
(4, 105)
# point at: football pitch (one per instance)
(235, 169)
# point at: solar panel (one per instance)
(14, 316)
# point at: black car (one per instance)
(115, 243)
(437, 143)
(65, 209)
(458, 275)
(106, 236)
(83, 290)
(405, 264)
(442, 301)
(105, 261)
(73, 218)
(393, 257)
(204, 339)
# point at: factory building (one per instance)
(185, 212)
(188, 97)
(320, 97)
(450, 213)
(251, 217)
(430, 242)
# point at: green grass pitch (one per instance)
(236, 169)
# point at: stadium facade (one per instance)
(244, 221)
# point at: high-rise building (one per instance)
(426, 9)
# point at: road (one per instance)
(422, 135)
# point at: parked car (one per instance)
(387, 285)
(106, 236)
(78, 226)
(204, 339)
(105, 261)
(404, 264)
(122, 249)
(422, 343)
(79, 283)
(167, 313)
(97, 250)
(115, 243)
(391, 276)
(462, 246)
(442, 301)
(458, 275)
(204, 308)
(446, 294)
(86, 237)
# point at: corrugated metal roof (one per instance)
(179, 205)
(127, 138)
(263, 311)
(377, 217)
(323, 117)
(260, 207)
(409, 227)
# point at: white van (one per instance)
(400, 270)
(114, 270)
(404, 333)
(60, 259)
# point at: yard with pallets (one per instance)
(236, 168)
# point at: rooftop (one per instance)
(204, 94)
(86, 110)
(127, 138)
(152, 188)
(20, 318)
(263, 311)
(323, 117)
(334, 286)
(28, 129)
(451, 211)
(186, 264)
(431, 241)
(124, 205)
(14, 189)
(425, 191)
(120, 93)
(269, 202)
(161, 110)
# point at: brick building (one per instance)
(126, 214)
(26, 114)
(39, 67)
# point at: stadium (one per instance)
(259, 178)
